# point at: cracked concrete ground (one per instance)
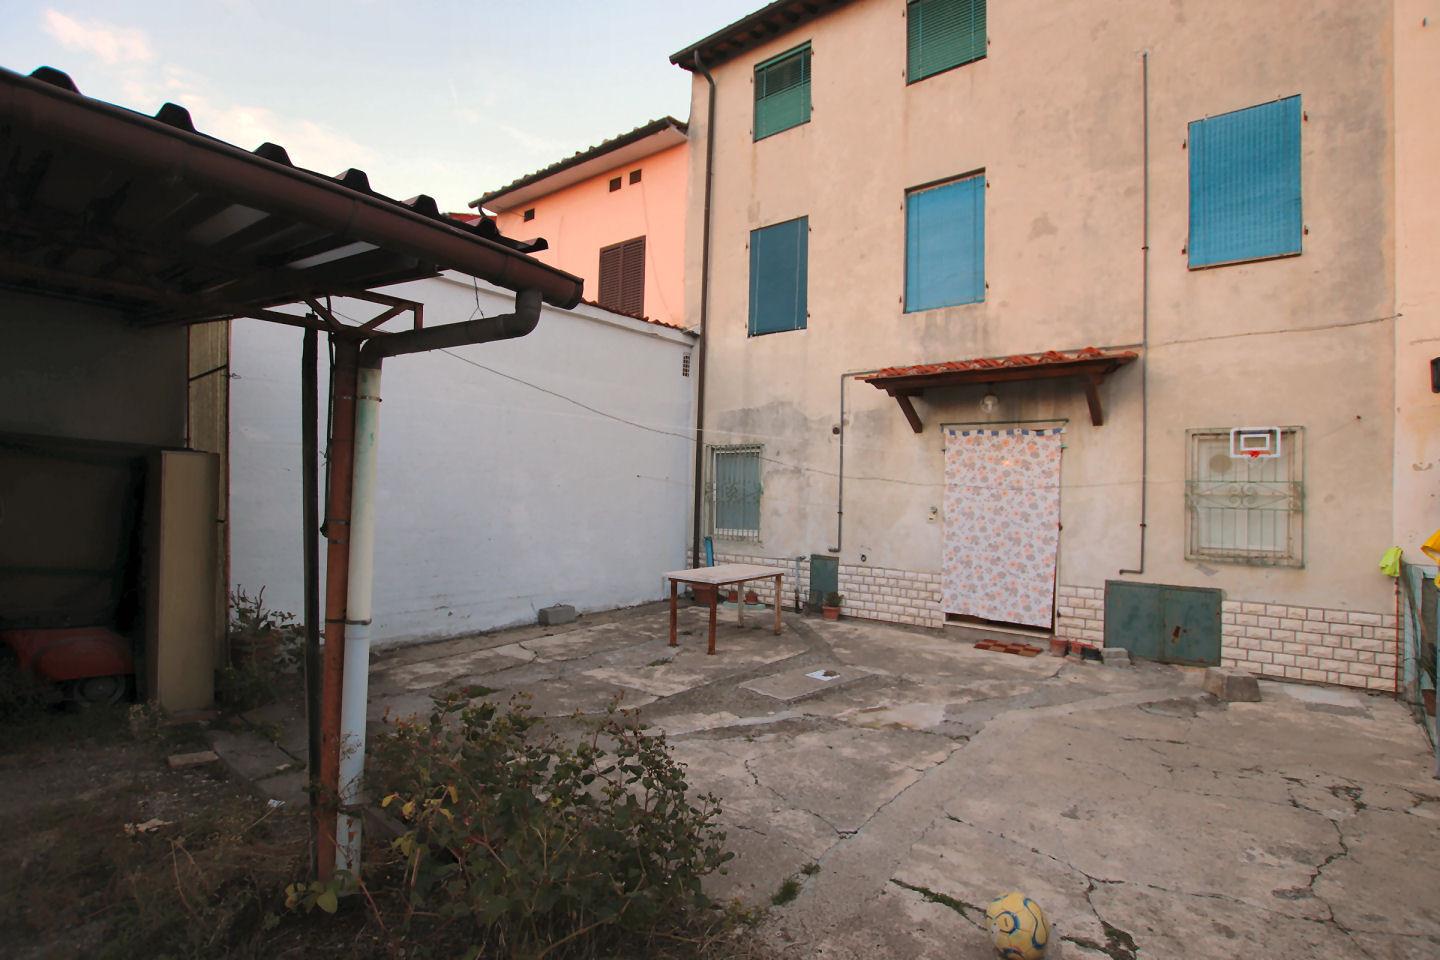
(1147, 819)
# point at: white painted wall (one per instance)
(497, 498)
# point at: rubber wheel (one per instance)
(95, 691)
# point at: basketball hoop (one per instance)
(1255, 443)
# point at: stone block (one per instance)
(1232, 685)
(556, 615)
(1115, 656)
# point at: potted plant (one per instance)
(831, 607)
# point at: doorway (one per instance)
(1002, 525)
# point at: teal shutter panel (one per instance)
(778, 276)
(1245, 184)
(945, 245)
(737, 491)
(944, 34)
(782, 93)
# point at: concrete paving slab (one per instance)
(805, 682)
(1149, 820)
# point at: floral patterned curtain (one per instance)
(1002, 524)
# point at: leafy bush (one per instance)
(540, 847)
(266, 647)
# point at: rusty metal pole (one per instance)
(337, 580)
(310, 496)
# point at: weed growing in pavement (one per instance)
(523, 844)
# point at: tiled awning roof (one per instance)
(167, 225)
(1090, 365)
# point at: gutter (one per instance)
(704, 316)
(345, 754)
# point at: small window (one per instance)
(614, 184)
(1242, 509)
(945, 244)
(778, 276)
(529, 214)
(685, 365)
(943, 34)
(782, 92)
(1245, 185)
(622, 277)
(634, 176)
(735, 492)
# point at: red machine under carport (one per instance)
(69, 562)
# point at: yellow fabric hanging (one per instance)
(1431, 549)
(1390, 562)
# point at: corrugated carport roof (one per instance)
(148, 215)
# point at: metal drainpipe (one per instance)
(704, 316)
(840, 471)
(1144, 304)
(361, 578)
(337, 573)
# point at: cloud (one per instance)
(111, 43)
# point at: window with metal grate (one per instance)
(622, 276)
(614, 184)
(782, 92)
(634, 176)
(945, 244)
(685, 365)
(1244, 509)
(529, 214)
(735, 492)
(779, 269)
(1245, 184)
(943, 34)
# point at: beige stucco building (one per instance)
(1070, 127)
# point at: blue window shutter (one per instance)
(945, 245)
(782, 92)
(1245, 184)
(778, 276)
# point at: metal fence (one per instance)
(1419, 604)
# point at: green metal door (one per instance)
(824, 579)
(1162, 622)
(1132, 618)
(1191, 627)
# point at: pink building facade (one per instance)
(613, 215)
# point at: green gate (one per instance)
(824, 579)
(1165, 623)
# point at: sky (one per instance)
(427, 96)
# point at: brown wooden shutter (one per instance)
(632, 277)
(610, 276)
(622, 277)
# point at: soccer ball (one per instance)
(1018, 927)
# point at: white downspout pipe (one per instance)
(355, 692)
(359, 602)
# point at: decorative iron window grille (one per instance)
(735, 492)
(1244, 510)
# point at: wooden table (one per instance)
(722, 575)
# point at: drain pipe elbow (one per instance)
(507, 326)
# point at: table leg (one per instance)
(740, 607)
(714, 599)
(674, 615)
(779, 592)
